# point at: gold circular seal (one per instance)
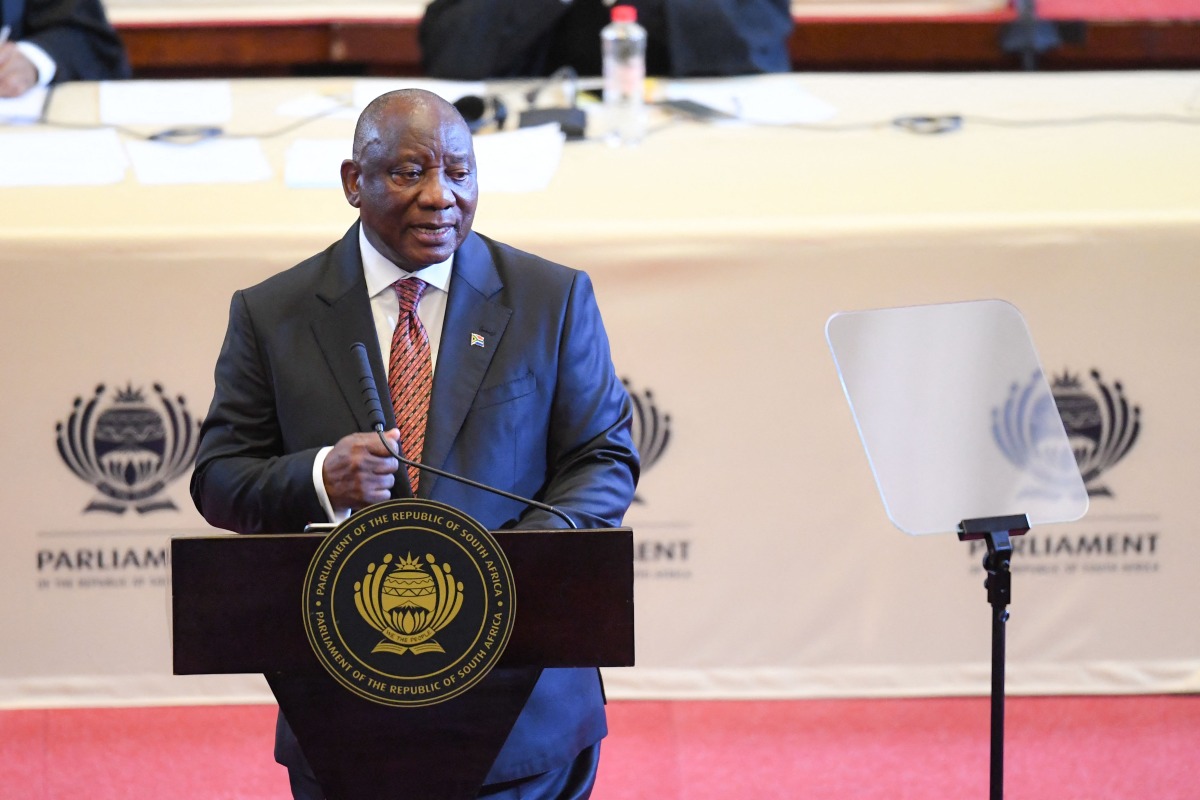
(409, 603)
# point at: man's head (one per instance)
(412, 177)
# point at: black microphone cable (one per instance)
(366, 381)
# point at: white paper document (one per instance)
(25, 107)
(208, 161)
(315, 104)
(61, 158)
(523, 160)
(315, 163)
(758, 101)
(171, 103)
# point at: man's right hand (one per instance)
(359, 470)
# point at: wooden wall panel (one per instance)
(354, 47)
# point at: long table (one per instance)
(766, 562)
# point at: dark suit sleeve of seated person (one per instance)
(78, 36)
(479, 39)
(728, 37)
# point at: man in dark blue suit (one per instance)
(524, 398)
(54, 41)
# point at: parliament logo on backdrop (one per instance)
(1029, 434)
(651, 429)
(1100, 423)
(129, 447)
(1102, 427)
(656, 557)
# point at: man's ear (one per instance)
(351, 176)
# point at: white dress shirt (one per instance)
(41, 60)
(385, 310)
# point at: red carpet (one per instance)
(1089, 748)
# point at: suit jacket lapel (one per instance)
(346, 320)
(462, 360)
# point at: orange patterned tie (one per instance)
(410, 374)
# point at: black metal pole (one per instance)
(999, 618)
(996, 533)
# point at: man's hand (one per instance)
(360, 471)
(17, 73)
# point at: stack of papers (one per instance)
(24, 108)
(208, 161)
(40, 159)
(170, 103)
(757, 102)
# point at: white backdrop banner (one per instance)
(766, 566)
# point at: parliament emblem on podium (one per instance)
(129, 446)
(409, 603)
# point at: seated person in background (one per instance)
(478, 39)
(54, 41)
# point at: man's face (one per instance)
(414, 184)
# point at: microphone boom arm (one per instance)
(474, 484)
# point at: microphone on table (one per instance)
(481, 111)
(370, 396)
(570, 118)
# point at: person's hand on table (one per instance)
(17, 73)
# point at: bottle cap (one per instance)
(624, 14)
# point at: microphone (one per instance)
(366, 385)
(570, 118)
(479, 112)
(370, 395)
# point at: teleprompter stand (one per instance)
(960, 428)
(997, 533)
(237, 609)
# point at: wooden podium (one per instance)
(236, 607)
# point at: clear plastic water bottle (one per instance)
(623, 47)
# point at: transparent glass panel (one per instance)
(955, 414)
